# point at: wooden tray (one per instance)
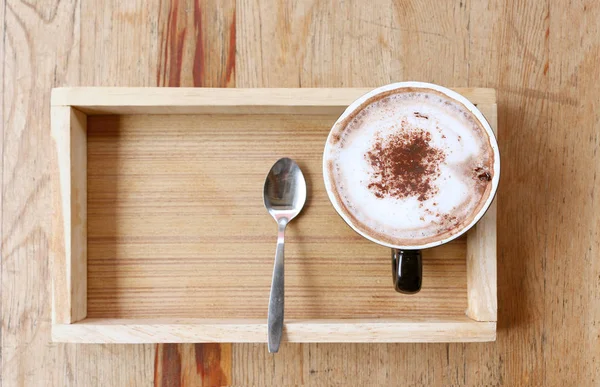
(160, 234)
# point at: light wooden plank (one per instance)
(253, 331)
(98, 100)
(119, 46)
(196, 48)
(563, 222)
(205, 57)
(61, 247)
(78, 223)
(41, 51)
(482, 253)
(515, 61)
(363, 44)
(69, 254)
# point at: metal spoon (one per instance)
(284, 194)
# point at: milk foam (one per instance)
(458, 194)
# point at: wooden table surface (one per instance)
(543, 58)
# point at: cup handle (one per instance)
(407, 270)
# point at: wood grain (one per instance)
(207, 364)
(541, 57)
(39, 52)
(134, 285)
(191, 330)
(506, 45)
(185, 100)
(482, 288)
(69, 245)
(333, 44)
(571, 267)
(500, 37)
(197, 41)
(165, 224)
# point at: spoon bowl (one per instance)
(285, 190)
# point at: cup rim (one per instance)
(450, 94)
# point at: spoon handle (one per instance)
(276, 299)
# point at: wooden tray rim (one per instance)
(69, 110)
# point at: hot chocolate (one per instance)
(409, 166)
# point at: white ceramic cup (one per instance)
(406, 259)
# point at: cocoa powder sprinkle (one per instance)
(483, 175)
(405, 164)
